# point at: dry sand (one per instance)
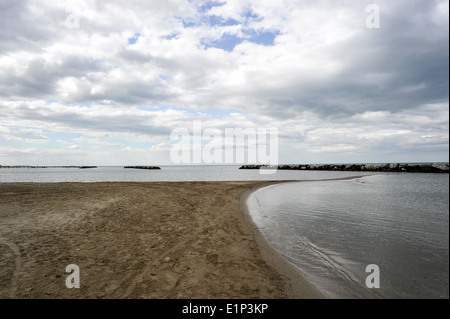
(138, 240)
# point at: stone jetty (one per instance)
(395, 167)
(143, 167)
(24, 166)
(29, 166)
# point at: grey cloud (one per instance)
(52, 117)
(409, 48)
(400, 69)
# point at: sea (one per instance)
(378, 235)
(341, 234)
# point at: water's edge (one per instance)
(297, 287)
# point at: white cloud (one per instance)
(328, 83)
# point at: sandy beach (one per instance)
(138, 240)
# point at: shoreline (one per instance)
(295, 285)
(157, 240)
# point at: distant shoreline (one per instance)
(438, 167)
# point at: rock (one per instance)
(394, 166)
(143, 167)
(440, 166)
(250, 167)
(389, 167)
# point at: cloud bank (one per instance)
(89, 82)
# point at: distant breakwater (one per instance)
(28, 166)
(396, 167)
(80, 167)
(143, 167)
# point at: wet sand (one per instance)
(138, 240)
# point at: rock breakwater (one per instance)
(389, 167)
(143, 167)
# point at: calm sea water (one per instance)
(167, 173)
(331, 230)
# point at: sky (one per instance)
(107, 82)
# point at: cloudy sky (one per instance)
(105, 82)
